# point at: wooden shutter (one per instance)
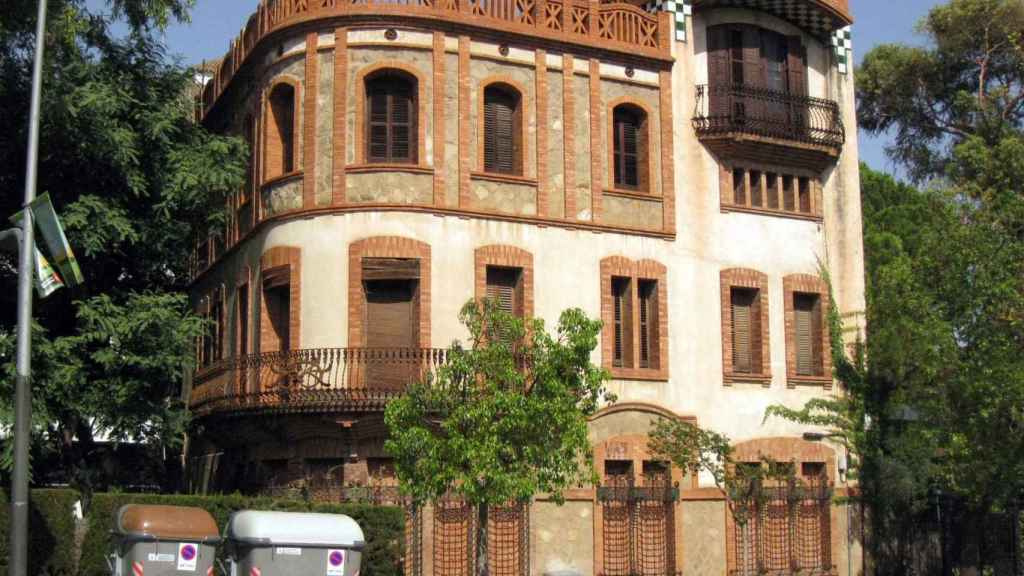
(796, 66)
(753, 72)
(803, 321)
(742, 323)
(391, 268)
(623, 319)
(390, 120)
(626, 147)
(788, 195)
(280, 154)
(500, 113)
(718, 71)
(805, 195)
(648, 293)
(756, 189)
(739, 186)
(389, 313)
(503, 288)
(772, 184)
(278, 303)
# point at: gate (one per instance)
(638, 526)
(508, 535)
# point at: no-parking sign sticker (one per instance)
(336, 563)
(188, 557)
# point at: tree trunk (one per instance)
(482, 569)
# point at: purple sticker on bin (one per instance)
(335, 563)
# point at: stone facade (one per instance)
(562, 222)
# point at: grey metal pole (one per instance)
(23, 392)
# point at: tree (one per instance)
(135, 179)
(695, 449)
(504, 419)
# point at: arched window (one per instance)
(391, 118)
(280, 147)
(503, 137)
(629, 147)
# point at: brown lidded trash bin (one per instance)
(164, 541)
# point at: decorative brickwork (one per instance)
(359, 138)
(465, 105)
(596, 185)
(751, 279)
(506, 256)
(438, 121)
(309, 121)
(340, 110)
(569, 134)
(814, 285)
(283, 263)
(541, 96)
(385, 247)
(635, 271)
(668, 182)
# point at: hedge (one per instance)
(383, 527)
(51, 544)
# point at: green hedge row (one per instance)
(52, 529)
(383, 527)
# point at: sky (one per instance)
(216, 22)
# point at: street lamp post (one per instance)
(23, 394)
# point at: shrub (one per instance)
(51, 531)
(383, 527)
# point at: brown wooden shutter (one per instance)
(718, 71)
(280, 155)
(739, 186)
(391, 268)
(390, 120)
(756, 189)
(648, 294)
(805, 195)
(772, 185)
(626, 147)
(499, 130)
(753, 71)
(742, 313)
(803, 327)
(622, 301)
(788, 194)
(502, 288)
(389, 313)
(796, 66)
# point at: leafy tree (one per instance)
(694, 449)
(134, 178)
(505, 418)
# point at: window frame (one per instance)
(793, 285)
(504, 256)
(745, 278)
(644, 153)
(637, 272)
(521, 143)
(270, 125)
(279, 266)
(394, 74)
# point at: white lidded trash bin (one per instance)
(293, 544)
(163, 541)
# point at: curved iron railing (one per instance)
(311, 379)
(744, 109)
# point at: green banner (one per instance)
(49, 227)
(47, 280)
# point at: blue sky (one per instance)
(216, 22)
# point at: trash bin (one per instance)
(164, 541)
(291, 544)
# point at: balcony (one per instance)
(768, 126)
(616, 26)
(311, 380)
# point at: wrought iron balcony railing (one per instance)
(749, 110)
(309, 380)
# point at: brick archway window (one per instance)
(629, 147)
(503, 131)
(391, 117)
(281, 131)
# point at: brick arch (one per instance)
(296, 84)
(745, 278)
(787, 449)
(524, 109)
(358, 138)
(503, 255)
(646, 160)
(386, 247)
